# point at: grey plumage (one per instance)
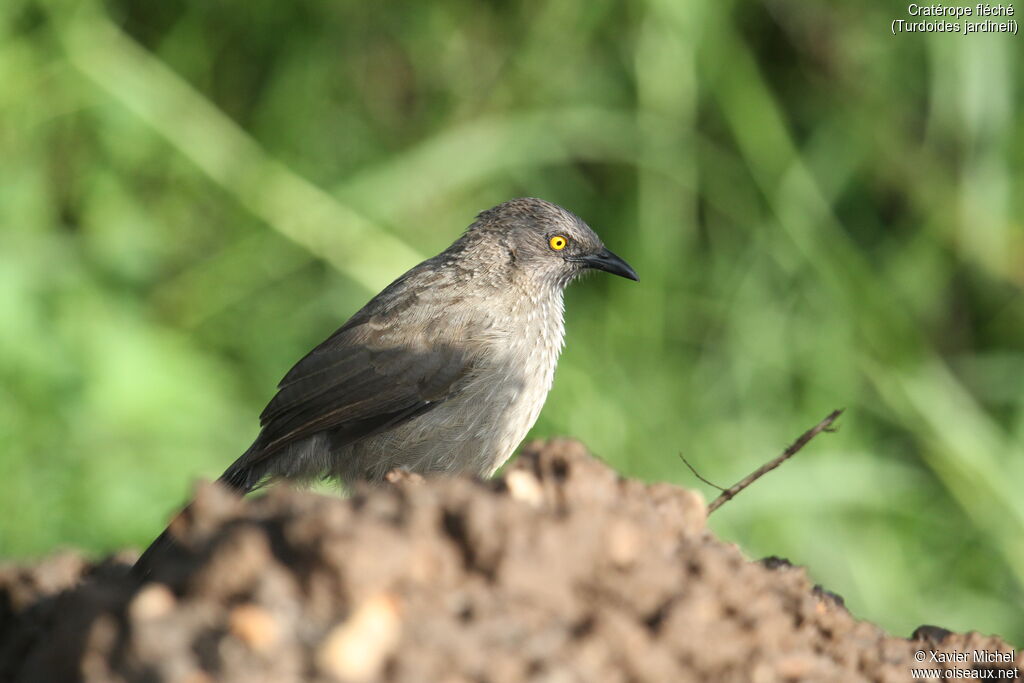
(445, 370)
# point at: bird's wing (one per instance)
(356, 388)
(395, 359)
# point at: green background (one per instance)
(823, 215)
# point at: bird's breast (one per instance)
(522, 374)
(515, 350)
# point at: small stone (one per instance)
(623, 543)
(400, 475)
(796, 666)
(357, 649)
(254, 626)
(197, 676)
(929, 633)
(155, 600)
(523, 486)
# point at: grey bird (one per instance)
(444, 371)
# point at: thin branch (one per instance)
(731, 492)
(698, 474)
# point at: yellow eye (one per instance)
(558, 242)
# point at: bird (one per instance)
(443, 372)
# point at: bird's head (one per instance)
(547, 241)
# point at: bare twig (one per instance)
(731, 492)
(698, 474)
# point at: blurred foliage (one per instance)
(823, 215)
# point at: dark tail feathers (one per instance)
(240, 478)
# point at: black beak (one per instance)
(610, 263)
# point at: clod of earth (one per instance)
(560, 570)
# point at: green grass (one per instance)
(823, 215)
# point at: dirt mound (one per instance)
(559, 571)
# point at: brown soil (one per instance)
(558, 571)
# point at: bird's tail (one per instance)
(241, 477)
(158, 549)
